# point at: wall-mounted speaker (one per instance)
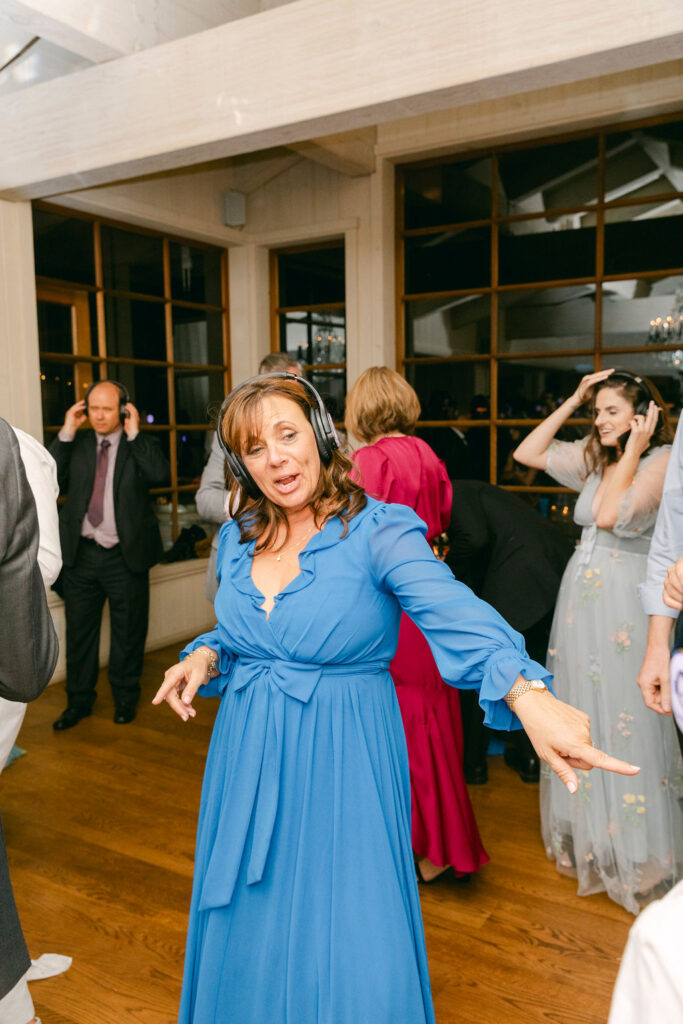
(234, 209)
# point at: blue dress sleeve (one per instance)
(216, 638)
(473, 646)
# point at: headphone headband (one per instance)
(123, 391)
(319, 418)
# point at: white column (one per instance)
(19, 364)
(249, 309)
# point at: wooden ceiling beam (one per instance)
(310, 69)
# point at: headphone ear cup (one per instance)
(241, 473)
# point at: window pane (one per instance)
(546, 318)
(460, 389)
(546, 250)
(551, 177)
(192, 450)
(314, 337)
(448, 193)
(465, 451)
(197, 336)
(135, 328)
(132, 262)
(63, 247)
(449, 261)
(644, 161)
(331, 385)
(54, 327)
(148, 389)
(643, 237)
(664, 369)
(532, 388)
(642, 311)
(58, 390)
(448, 327)
(311, 278)
(163, 437)
(196, 274)
(196, 394)
(163, 508)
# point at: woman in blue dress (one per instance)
(305, 907)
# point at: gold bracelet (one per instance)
(213, 660)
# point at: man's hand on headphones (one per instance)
(75, 417)
(131, 421)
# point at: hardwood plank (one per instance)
(100, 824)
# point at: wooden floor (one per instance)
(100, 824)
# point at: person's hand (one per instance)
(131, 423)
(653, 679)
(585, 388)
(75, 416)
(181, 683)
(673, 586)
(561, 736)
(641, 429)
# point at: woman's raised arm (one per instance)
(533, 451)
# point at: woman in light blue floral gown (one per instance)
(623, 836)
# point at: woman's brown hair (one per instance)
(259, 518)
(597, 455)
(381, 402)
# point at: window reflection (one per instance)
(642, 311)
(448, 261)
(643, 237)
(197, 393)
(532, 388)
(197, 336)
(135, 328)
(451, 390)
(546, 318)
(546, 250)
(555, 176)
(449, 327)
(192, 449)
(448, 193)
(314, 336)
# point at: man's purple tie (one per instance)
(96, 506)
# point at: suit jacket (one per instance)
(28, 651)
(140, 464)
(506, 551)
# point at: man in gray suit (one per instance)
(28, 655)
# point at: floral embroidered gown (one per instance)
(618, 834)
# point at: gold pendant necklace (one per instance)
(299, 542)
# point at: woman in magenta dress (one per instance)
(382, 410)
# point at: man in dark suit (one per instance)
(28, 655)
(513, 558)
(110, 539)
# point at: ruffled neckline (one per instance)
(331, 534)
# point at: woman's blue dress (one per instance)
(305, 907)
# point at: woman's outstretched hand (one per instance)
(561, 736)
(181, 683)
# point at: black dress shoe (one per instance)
(478, 775)
(528, 767)
(69, 718)
(122, 716)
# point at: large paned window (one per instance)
(147, 310)
(309, 322)
(525, 268)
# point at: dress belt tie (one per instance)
(251, 788)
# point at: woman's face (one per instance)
(284, 459)
(613, 415)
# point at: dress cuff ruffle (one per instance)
(501, 671)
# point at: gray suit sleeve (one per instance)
(28, 642)
(212, 493)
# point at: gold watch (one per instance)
(519, 688)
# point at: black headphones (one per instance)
(125, 397)
(320, 420)
(626, 377)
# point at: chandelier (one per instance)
(668, 330)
